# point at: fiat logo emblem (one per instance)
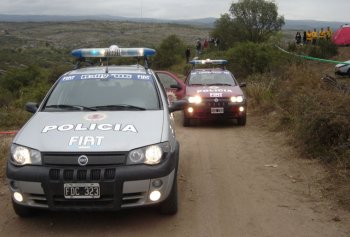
(216, 100)
(83, 160)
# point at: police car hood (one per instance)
(94, 131)
(213, 91)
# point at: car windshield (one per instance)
(113, 92)
(211, 78)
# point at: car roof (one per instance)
(110, 69)
(209, 69)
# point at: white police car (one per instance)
(343, 68)
(102, 139)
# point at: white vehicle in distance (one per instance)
(343, 68)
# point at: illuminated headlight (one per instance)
(150, 155)
(237, 99)
(195, 99)
(21, 155)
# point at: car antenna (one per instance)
(146, 63)
(107, 65)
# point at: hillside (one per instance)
(204, 22)
(95, 33)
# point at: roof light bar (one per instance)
(209, 61)
(113, 51)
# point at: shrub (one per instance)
(251, 58)
(170, 52)
(260, 91)
(325, 49)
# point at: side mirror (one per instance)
(177, 105)
(176, 86)
(243, 84)
(32, 107)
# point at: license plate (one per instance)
(81, 190)
(217, 110)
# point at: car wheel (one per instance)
(349, 72)
(22, 211)
(242, 121)
(169, 206)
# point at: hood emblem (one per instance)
(95, 117)
(83, 160)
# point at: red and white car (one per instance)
(214, 93)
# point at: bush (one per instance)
(15, 80)
(325, 49)
(251, 58)
(318, 118)
(12, 118)
(6, 98)
(170, 52)
(260, 91)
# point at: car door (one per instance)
(172, 84)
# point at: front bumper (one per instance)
(215, 111)
(120, 186)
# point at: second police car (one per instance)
(213, 93)
(102, 139)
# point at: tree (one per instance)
(224, 30)
(249, 20)
(170, 52)
(256, 20)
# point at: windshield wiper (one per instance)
(64, 106)
(118, 107)
(220, 84)
(198, 84)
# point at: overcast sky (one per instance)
(327, 10)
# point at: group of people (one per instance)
(200, 46)
(313, 37)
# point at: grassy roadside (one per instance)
(5, 141)
(315, 114)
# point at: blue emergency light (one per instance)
(113, 51)
(209, 61)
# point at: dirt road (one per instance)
(233, 181)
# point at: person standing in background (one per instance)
(298, 38)
(322, 34)
(304, 38)
(188, 54)
(329, 33)
(308, 37)
(314, 37)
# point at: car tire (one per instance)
(170, 205)
(242, 121)
(23, 211)
(349, 72)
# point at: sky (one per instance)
(323, 10)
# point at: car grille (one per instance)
(85, 174)
(216, 102)
(95, 159)
(131, 199)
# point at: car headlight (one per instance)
(21, 155)
(237, 99)
(150, 155)
(195, 99)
